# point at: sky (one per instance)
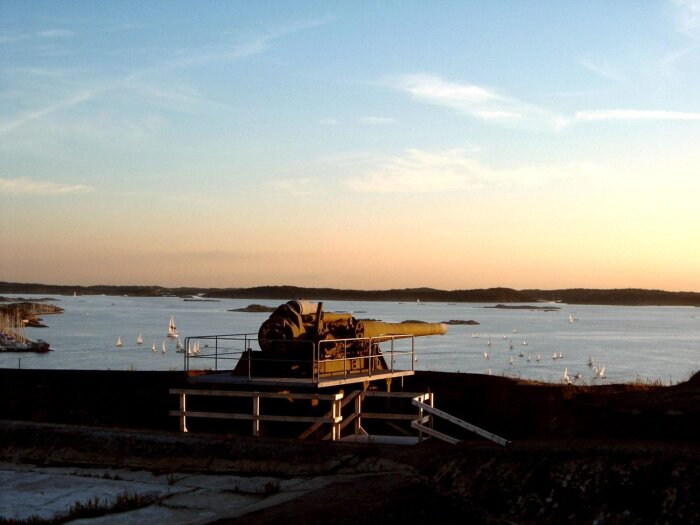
(351, 144)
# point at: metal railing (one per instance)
(385, 354)
(422, 422)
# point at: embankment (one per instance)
(609, 454)
(508, 407)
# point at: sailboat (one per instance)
(565, 376)
(139, 340)
(179, 344)
(153, 347)
(164, 349)
(119, 341)
(172, 330)
(192, 348)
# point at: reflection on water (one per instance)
(646, 343)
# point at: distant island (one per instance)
(622, 296)
(255, 308)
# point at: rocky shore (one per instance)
(15, 317)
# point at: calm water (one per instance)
(647, 343)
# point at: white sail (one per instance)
(139, 340)
(172, 330)
(119, 341)
(164, 349)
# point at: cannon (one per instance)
(311, 340)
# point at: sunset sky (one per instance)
(357, 144)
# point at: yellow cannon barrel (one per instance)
(379, 328)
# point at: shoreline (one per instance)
(592, 296)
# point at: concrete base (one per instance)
(184, 499)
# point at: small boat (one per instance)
(591, 361)
(172, 330)
(179, 344)
(565, 376)
(119, 341)
(139, 340)
(153, 347)
(164, 349)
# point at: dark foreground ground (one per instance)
(614, 454)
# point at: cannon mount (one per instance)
(304, 340)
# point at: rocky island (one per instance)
(15, 317)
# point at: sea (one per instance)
(649, 344)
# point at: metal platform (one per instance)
(228, 378)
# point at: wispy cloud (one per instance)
(603, 70)
(27, 186)
(687, 17)
(176, 98)
(134, 81)
(490, 106)
(247, 48)
(55, 33)
(39, 113)
(328, 122)
(377, 121)
(633, 114)
(421, 171)
(473, 100)
(298, 186)
(9, 37)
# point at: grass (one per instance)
(89, 509)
